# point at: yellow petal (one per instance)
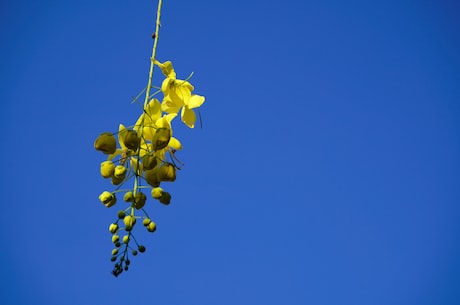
(166, 85)
(195, 101)
(121, 135)
(171, 106)
(174, 143)
(188, 117)
(166, 68)
(165, 121)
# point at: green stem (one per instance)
(149, 86)
(154, 52)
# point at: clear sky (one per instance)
(327, 170)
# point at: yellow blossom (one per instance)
(178, 95)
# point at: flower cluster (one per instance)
(144, 155)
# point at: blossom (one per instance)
(178, 95)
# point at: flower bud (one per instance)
(141, 248)
(106, 143)
(115, 238)
(108, 199)
(113, 228)
(165, 198)
(139, 200)
(131, 139)
(157, 192)
(117, 181)
(167, 172)
(120, 172)
(161, 138)
(128, 197)
(114, 251)
(129, 221)
(126, 239)
(146, 221)
(107, 169)
(151, 227)
(151, 176)
(149, 161)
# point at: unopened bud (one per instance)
(149, 161)
(128, 197)
(131, 140)
(126, 239)
(161, 138)
(167, 172)
(141, 248)
(129, 221)
(107, 169)
(120, 172)
(117, 181)
(113, 228)
(165, 198)
(157, 192)
(151, 227)
(151, 176)
(108, 199)
(146, 221)
(139, 200)
(121, 214)
(106, 143)
(115, 238)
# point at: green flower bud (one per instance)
(113, 228)
(157, 192)
(149, 161)
(151, 227)
(106, 143)
(151, 176)
(146, 221)
(141, 248)
(126, 239)
(117, 244)
(167, 172)
(139, 200)
(121, 214)
(115, 238)
(161, 138)
(129, 221)
(107, 169)
(128, 262)
(113, 258)
(134, 252)
(131, 139)
(114, 251)
(108, 199)
(128, 197)
(120, 172)
(165, 198)
(117, 181)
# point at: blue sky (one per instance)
(326, 172)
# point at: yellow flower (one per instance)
(147, 125)
(178, 95)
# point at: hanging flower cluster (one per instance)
(143, 160)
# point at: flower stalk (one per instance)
(145, 155)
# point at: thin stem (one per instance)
(149, 86)
(154, 51)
